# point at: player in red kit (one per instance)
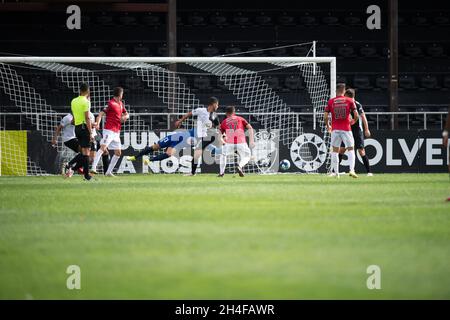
(233, 128)
(115, 114)
(340, 108)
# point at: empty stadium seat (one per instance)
(118, 50)
(362, 82)
(210, 51)
(413, 51)
(324, 51)
(382, 82)
(300, 51)
(278, 52)
(218, 19)
(105, 19)
(232, 49)
(286, 19)
(419, 20)
(256, 51)
(263, 19)
(187, 51)
(202, 83)
(127, 19)
(196, 20)
(241, 19)
(429, 82)
(368, 51)
(162, 50)
(435, 50)
(150, 19)
(441, 19)
(273, 82)
(330, 19)
(346, 51)
(293, 82)
(308, 20)
(352, 19)
(95, 50)
(141, 51)
(407, 82)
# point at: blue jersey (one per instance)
(179, 139)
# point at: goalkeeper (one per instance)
(177, 141)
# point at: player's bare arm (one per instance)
(56, 134)
(180, 121)
(327, 121)
(365, 125)
(251, 136)
(98, 120)
(446, 130)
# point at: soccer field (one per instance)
(262, 237)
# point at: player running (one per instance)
(206, 119)
(80, 107)
(115, 114)
(170, 144)
(358, 135)
(340, 108)
(233, 128)
(67, 131)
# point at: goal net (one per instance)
(270, 92)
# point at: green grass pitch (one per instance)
(258, 237)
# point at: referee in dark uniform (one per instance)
(80, 107)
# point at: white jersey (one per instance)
(68, 129)
(203, 122)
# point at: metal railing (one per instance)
(380, 120)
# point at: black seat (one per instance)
(118, 50)
(352, 19)
(407, 82)
(330, 19)
(202, 83)
(429, 82)
(382, 82)
(300, 51)
(435, 50)
(151, 20)
(187, 51)
(263, 19)
(218, 19)
(346, 51)
(241, 19)
(308, 20)
(127, 20)
(232, 49)
(286, 19)
(196, 20)
(362, 82)
(210, 51)
(413, 51)
(368, 51)
(104, 19)
(95, 50)
(273, 82)
(141, 51)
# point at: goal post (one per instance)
(172, 85)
